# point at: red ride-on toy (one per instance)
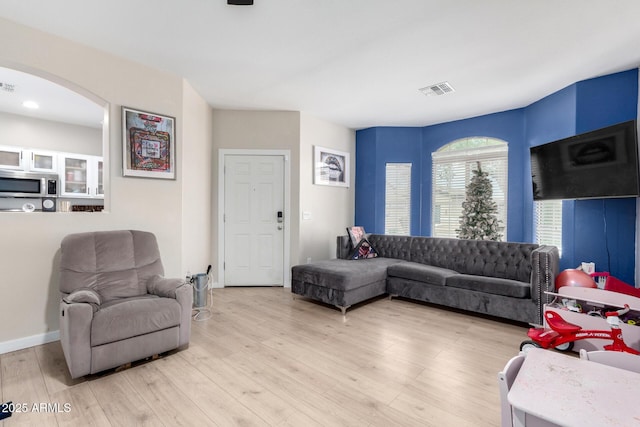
(562, 334)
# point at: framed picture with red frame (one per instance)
(148, 144)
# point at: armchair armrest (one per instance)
(83, 295)
(183, 294)
(75, 336)
(163, 287)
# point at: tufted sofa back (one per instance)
(398, 247)
(387, 246)
(506, 260)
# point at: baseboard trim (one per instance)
(26, 342)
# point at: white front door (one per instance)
(253, 220)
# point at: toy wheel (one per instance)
(565, 347)
(525, 346)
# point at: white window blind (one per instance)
(548, 222)
(397, 205)
(452, 171)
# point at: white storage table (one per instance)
(568, 391)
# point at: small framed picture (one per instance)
(331, 167)
(148, 144)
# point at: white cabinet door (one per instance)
(81, 176)
(74, 175)
(12, 158)
(43, 161)
(99, 175)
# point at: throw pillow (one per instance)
(364, 250)
(356, 233)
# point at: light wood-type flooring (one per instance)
(265, 359)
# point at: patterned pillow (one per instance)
(356, 233)
(363, 250)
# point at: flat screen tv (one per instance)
(599, 164)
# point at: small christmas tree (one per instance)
(479, 212)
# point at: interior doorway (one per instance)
(254, 222)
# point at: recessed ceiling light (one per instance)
(437, 89)
(31, 105)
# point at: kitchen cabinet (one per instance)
(28, 160)
(81, 176)
(12, 158)
(43, 161)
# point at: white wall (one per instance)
(183, 213)
(28, 132)
(258, 130)
(197, 181)
(332, 209)
(30, 242)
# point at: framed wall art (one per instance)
(148, 144)
(331, 167)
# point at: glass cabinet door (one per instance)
(43, 162)
(100, 187)
(75, 177)
(11, 158)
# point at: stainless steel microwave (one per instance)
(28, 184)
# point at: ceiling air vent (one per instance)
(7, 87)
(437, 89)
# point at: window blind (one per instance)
(397, 205)
(548, 222)
(452, 172)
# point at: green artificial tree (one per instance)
(479, 218)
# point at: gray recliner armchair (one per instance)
(116, 307)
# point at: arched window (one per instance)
(452, 171)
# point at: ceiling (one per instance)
(358, 63)
(55, 102)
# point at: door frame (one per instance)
(286, 155)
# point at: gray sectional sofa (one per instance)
(503, 279)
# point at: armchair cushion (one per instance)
(130, 317)
(163, 287)
(86, 295)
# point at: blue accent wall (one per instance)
(506, 126)
(375, 147)
(365, 197)
(602, 231)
